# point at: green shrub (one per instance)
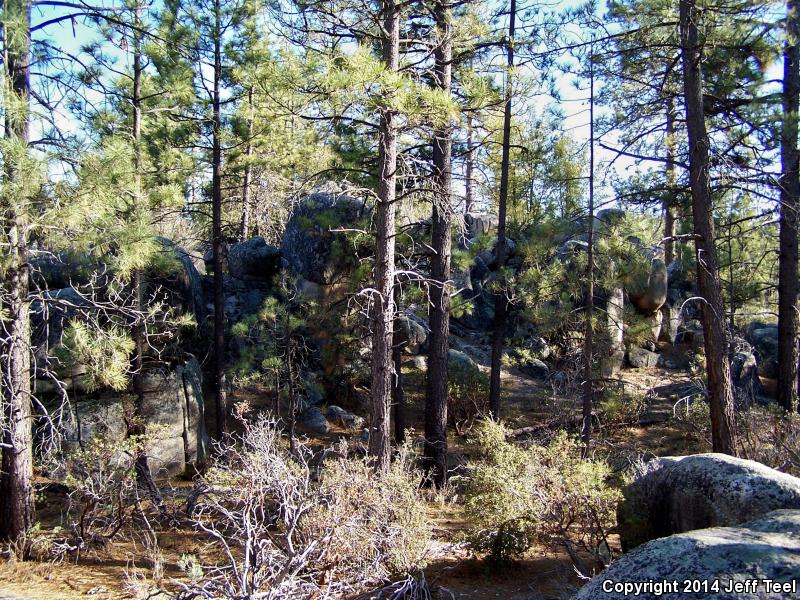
(517, 496)
(468, 388)
(617, 407)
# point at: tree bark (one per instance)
(588, 340)
(469, 188)
(723, 432)
(217, 239)
(382, 302)
(441, 222)
(244, 229)
(501, 302)
(788, 289)
(16, 489)
(669, 197)
(398, 394)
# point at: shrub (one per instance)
(768, 435)
(617, 407)
(771, 436)
(468, 389)
(103, 497)
(283, 529)
(516, 496)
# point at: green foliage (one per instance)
(516, 496)
(618, 407)
(105, 353)
(468, 392)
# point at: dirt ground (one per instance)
(117, 571)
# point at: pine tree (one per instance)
(441, 235)
(788, 289)
(16, 486)
(723, 430)
(501, 302)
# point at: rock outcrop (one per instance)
(253, 259)
(707, 562)
(312, 247)
(173, 412)
(677, 494)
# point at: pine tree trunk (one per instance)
(469, 192)
(16, 489)
(441, 220)
(588, 341)
(788, 289)
(244, 229)
(669, 195)
(723, 431)
(398, 394)
(501, 302)
(217, 239)
(382, 302)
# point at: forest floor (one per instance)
(119, 570)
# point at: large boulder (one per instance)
(56, 270)
(677, 494)
(480, 224)
(181, 285)
(747, 387)
(764, 339)
(253, 259)
(312, 247)
(708, 563)
(172, 410)
(649, 295)
(412, 333)
(639, 358)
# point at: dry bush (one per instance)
(771, 436)
(283, 530)
(767, 435)
(103, 497)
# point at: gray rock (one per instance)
(480, 224)
(639, 358)
(420, 363)
(670, 323)
(611, 216)
(173, 408)
(535, 368)
(458, 360)
(313, 420)
(253, 259)
(691, 332)
(344, 418)
(611, 362)
(181, 287)
(673, 359)
(744, 378)
(56, 270)
(677, 494)
(173, 412)
(655, 321)
(764, 548)
(49, 320)
(413, 333)
(764, 339)
(648, 296)
(311, 247)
